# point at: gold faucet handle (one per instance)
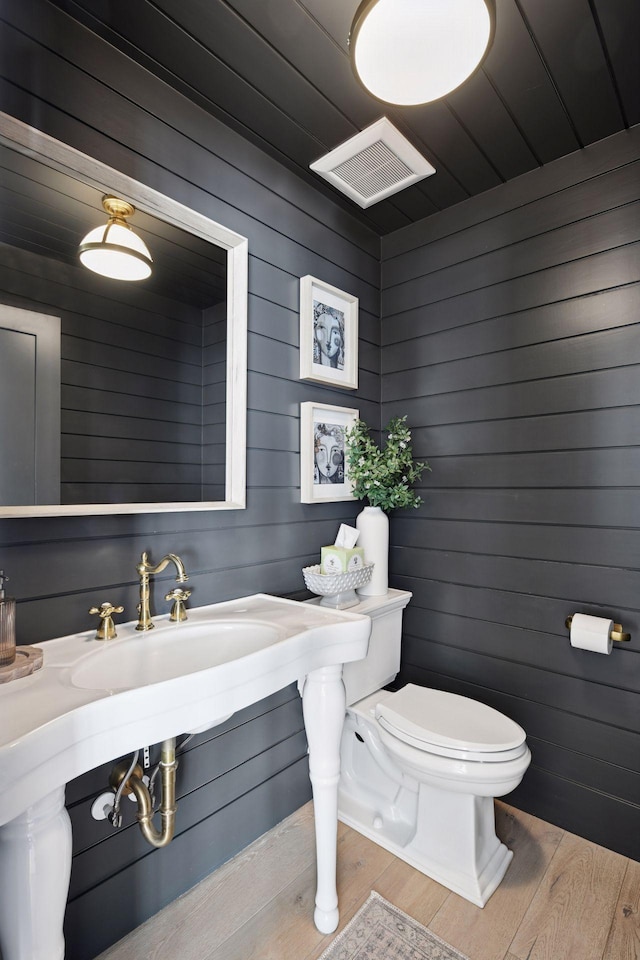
(178, 612)
(106, 629)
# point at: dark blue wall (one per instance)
(511, 339)
(242, 778)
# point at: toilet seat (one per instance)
(448, 725)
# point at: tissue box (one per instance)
(341, 559)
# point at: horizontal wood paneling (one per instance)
(238, 780)
(619, 188)
(558, 468)
(510, 340)
(603, 508)
(597, 351)
(553, 178)
(525, 412)
(575, 317)
(579, 278)
(527, 646)
(568, 582)
(565, 244)
(595, 545)
(611, 427)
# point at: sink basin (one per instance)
(95, 700)
(173, 651)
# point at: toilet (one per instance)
(420, 768)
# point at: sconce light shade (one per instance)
(408, 52)
(114, 250)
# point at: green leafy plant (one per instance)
(383, 476)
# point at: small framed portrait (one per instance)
(328, 334)
(323, 463)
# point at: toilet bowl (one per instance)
(420, 768)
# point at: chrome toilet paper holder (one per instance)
(616, 634)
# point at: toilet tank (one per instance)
(382, 662)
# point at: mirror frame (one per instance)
(32, 142)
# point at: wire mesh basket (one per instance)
(337, 590)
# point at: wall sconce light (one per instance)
(114, 250)
(408, 52)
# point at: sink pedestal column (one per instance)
(35, 847)
(35, 866)
(324, 706)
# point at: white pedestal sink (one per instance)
(94, 701)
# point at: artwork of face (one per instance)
(328, 452)
(328, 336)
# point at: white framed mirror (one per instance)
(151, 392)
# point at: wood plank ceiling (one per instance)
(561, 74)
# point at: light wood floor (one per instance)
(563, 898)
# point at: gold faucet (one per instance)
(145, 569)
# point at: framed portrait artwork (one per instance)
(328, 334)
(323, 470)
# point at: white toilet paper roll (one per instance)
(591, 633)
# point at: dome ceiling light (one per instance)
(408, 52)
(114, 250)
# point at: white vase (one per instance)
(373, 524)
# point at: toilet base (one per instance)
(454, 840)
(431, 822)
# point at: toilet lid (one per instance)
(449, 724)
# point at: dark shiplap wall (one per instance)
(511, 338)
(240, 779)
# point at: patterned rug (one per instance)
(379, 931)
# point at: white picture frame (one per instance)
(324, 476)
(328, 334)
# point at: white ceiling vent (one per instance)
(374, 164)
